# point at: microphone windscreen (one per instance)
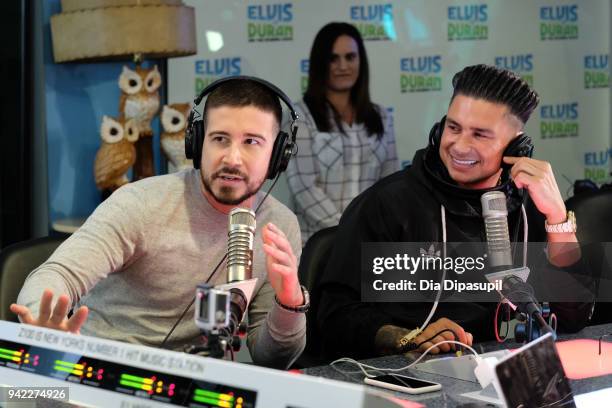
(243, 218)
(494, 204)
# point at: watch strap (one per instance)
(297, 309)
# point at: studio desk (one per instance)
(587, 370)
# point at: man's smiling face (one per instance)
(475, 135)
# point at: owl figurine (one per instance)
(174, 122)
(140, 102)
(116, 153)
(140, 96)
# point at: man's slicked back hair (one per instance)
(245, 92)
(498, 86)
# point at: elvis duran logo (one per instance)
(421, 74)
(520, 64)
(596, 71)
(270, 22)
(304, 67)
(559, 120)
(209, 70)
(559, 22)
(374, 21)
(597, 165)
(468, 22)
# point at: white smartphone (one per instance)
(402, 383)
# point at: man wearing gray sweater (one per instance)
(132, 268)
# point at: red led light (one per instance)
(99, 377)
(171, 386)
(170, 393)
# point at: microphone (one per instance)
(241, 230)
(223, 307)
(240, 245)
(515, 288)
(495, 214)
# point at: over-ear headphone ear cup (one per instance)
(197, 143)
(189, 136)
(188, 143)
(194, 142)
(520, 146)
(281, 153)
(435, 134)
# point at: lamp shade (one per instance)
(95, 30)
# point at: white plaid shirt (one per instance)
(332, 168)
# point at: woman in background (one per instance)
(347, 142)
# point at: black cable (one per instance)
(518, 223)
(163, 343)
(436, 335)
(507, 323)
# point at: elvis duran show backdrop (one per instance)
(414, 47)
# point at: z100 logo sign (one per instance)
(304, 67)
(374, 21)
(559, 121)
(521, 64)
(209, 70)
(421, 74)
(559, 22)
(597, 165)
(468, 22)
(596, 71)
(270, 22)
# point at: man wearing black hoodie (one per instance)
(438, 198)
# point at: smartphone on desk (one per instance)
(402, 383)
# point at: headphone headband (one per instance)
(214, 85)
(284, 145)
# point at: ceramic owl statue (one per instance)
(116, 153)
(174, 122)
(140, 102)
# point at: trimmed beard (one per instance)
(224, 197)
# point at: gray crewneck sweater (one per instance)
(136, 261)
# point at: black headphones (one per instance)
(520, 146)
(284, 145)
